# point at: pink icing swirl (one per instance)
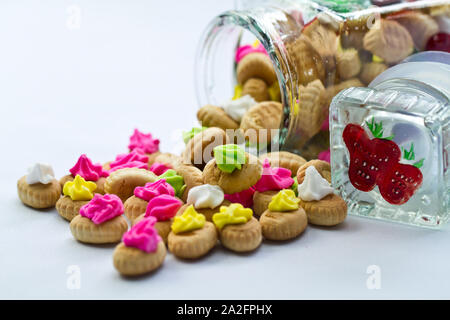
(273, 178)
(154, 189)
(163, 207)
(159, 168)
(102, 208)
(244, 197)
(242, 51)
(324, 156)
(143, 236)
(134, 159)
(88, 170)
(144, 142)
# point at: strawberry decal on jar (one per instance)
(376, 162)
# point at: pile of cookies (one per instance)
(184, 205)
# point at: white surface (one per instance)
(66, 92)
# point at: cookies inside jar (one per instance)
(301, 58)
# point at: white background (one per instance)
(64, 92)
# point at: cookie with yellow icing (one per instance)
(284, 219)
(238, 230)
(192, 236)
(76, 194)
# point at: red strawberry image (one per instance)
(377, 162)
(368, 158)
(400, 183)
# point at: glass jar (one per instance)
(317, 48)
(391, 143)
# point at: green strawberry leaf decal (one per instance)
(410, 155)
(419, 163)
(376, 128)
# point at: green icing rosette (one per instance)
(175, 180)
(188, 135)
(294, 186)
(229, 157)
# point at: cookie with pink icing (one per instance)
(242, 51)
(273, 178)
(134, 159)
(89, 171)
(143, 236)
(141, 250)
(102, 208)
(137, 204)
(159, 168)
(154, 189)
(163, 207)
(100, 220)
(143, 141)
(244, 197)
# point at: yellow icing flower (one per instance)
(79, 189)
(233, 214)
(285, 200)
(237, 92)
(188, 221)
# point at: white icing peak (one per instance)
(40, 173)
(314, 186)
(205, 196)
(237, 108)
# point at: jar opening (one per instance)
(216, 62)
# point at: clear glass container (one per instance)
(391, 143)
(340, 43)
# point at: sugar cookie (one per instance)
(192, 176)
(257, 89)
(141, 251)
(199, 150)
(100, 220)
(371, 70)
(137, 204)
(420, 26)
(284, 219)
(212, 116)
(169, 159)
(39, 189)
(390, 41)
(328, 211)
(192, 236)
(69, 209)
(261, 201)
(259, 120)
(163, 207)
(238, 230)
(323, 167)
(236, 181)
(255, 65)
(348, 63)
(123, 182)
